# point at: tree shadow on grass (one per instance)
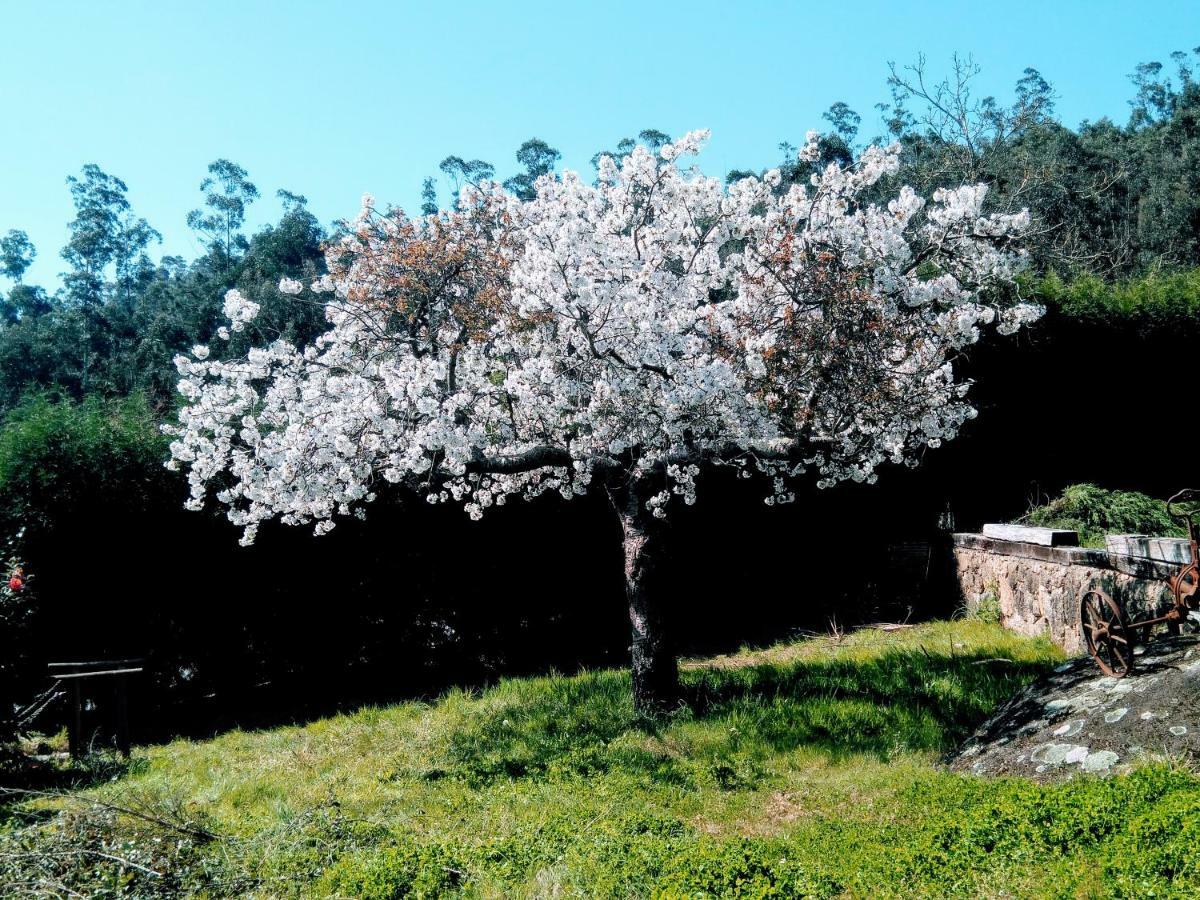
(903, 700)
(56, 771)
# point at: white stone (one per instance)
(1078, 755)
(1100, 761)
(1069, 729)
(1057, 754)
(1028, 534)
(1139, 546)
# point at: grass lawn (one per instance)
(809, 769)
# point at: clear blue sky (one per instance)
(333, 99)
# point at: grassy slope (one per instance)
(807, 769)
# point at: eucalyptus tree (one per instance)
(105, 232)
(17, 254)
(539, 159)
(227, 191)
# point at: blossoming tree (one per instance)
(621, 337)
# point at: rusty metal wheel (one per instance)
(1106, 633)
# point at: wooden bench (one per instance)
(72, 675)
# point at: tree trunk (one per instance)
(654, 665)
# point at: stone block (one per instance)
(1029, 534)
(1140, 546)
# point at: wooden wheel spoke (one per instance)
(1105, 633)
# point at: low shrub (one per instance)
(1155, 300)
(1095, 512)
(405, 869)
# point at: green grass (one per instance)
(809, 769)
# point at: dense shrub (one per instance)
(1095, 512)
(17, 604)
(1157, 847)
(404, 870)
(60, 463)
(1160, 298)
(56, 455)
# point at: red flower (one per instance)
(16, 583)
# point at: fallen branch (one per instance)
(42, 854)
(202, 834)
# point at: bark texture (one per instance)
(654, 665)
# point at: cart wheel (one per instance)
(1108, 638)
(1190, 624)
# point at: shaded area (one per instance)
(27, 778)
(901, 700)
(418, 598)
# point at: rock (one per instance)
(1078, 720)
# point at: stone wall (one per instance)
(1036, 589)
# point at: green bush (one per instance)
(1155, 855)
(63, 464)
(404, 870)
(1095, 512)
(744, 867)
(987, 607)
(1156, 299)
(53, 452)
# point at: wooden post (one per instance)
(75, 724)
(77, 673)
(122, 689)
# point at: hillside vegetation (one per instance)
(809, 769)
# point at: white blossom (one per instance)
(238, 309)
(643, 328)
